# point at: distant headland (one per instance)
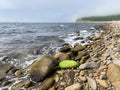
(99, 18)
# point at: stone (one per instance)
(63, 56)
(46, 84)
(68, 64)
(41, 68)
(89, 65)
(69, 77)
(92, 83)
(113, 75)
(18, 86)
(82, 73)
(5, 83)
(18, 73)
(101, 69)
(84, 79)
(76, 86)
(78, 48)
(102, 83)
(28, 84)
(80, 55)
(4, 68)
(65, 48)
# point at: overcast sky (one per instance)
(54, 10)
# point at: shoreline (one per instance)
(97, 62)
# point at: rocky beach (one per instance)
(91, 66)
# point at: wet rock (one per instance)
(41, 68)
(63, 84)
(69, 77)
(18, 73)
(28, 84)
(76, 86)
(18, 86)
(68, 64)
(36, 51)
(89, 65)
(92, 83)
(103, 83)
(78, 48)
(45, 85)
(6, 83)
(4, 68)
(82, 73)
(65, 48)
(82, 41)
(113, 75)
(63, 56)
(22, 84)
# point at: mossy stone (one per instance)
(68, 64)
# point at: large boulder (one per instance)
(41, 68)
(113, 75)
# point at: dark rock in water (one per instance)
(65, 44)
(35, 52)
(78, 38)
(20, 85)
(4, 68)
(65, 48)
(82, 41)
(41, 68)
(76, 86)
(6, 83)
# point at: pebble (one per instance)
(63, 83)
(103, 83)
(75, 86)
(89, 65)
(92, 83)
(82, 73)
(101, 69)
(84, 79)
(56, 78)
(18, 73)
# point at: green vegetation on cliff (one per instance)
(100, 18)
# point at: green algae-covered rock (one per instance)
(68, 64)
